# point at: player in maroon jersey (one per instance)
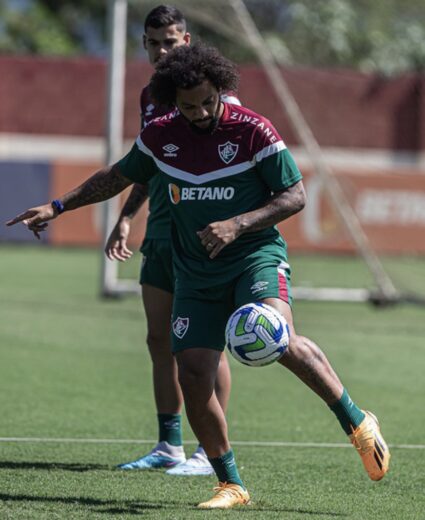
(229, 180)
(165, 29)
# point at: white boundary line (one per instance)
(270, 444)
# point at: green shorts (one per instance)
(157, 264)
(200, 315)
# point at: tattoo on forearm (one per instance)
(280, 207)
(137, 197)
(101, 186)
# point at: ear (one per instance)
(144, 41)
(187, 37)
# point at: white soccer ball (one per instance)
(257, 334)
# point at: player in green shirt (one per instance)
(229, 179)
(165, 29)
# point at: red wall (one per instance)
(344, 108)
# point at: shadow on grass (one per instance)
(96, 505)
(300, 511)
(52, 466)
(136, 507)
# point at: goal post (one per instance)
(110, 283)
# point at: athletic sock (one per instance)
(348, 413)
(170, 428)
(226, 469)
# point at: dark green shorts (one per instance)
(200, 315)
(157, 264)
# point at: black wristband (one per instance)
(58, 206)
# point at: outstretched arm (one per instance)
(116, 245)
(101, 186)
(281, 206)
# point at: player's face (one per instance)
(200, 105)
(158, 42)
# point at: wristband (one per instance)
(58, 206)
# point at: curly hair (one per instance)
(186, 67)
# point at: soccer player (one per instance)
(165, 29)
(229, 181)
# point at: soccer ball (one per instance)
(257, 334)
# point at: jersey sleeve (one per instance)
(137, 165)
(278, 169)
(273, 160)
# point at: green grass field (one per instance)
(73, 367)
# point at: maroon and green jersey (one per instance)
(213, 177)
(159, 220)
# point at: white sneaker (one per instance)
(197, 465)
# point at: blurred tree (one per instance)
(53, 27)
(385, 35)
(32, 28)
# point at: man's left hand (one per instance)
(218, 235)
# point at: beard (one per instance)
(210, 129)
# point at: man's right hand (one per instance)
(35, 218)
(116, 245)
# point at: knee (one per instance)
(195, 381)
(159, 348)
(303, 348)
(191, 375)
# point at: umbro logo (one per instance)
(258, 287)
(170, 150)
(149, 109)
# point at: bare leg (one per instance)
(223, 382)
(305, 359)
(158, 306)
(197, 376)
(168, 396)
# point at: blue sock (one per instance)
(226, 469)
(348, 413)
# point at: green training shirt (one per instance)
(213, 177)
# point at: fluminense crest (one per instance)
(180, 326)
(228, 151)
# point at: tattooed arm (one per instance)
(280, 207)
(116, 246)
(101, 186)
(135, 201)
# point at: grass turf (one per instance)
(73, 366)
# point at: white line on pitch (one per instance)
(277, 444)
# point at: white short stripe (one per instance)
(222, 173)
(271, 444)
(270, 150)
